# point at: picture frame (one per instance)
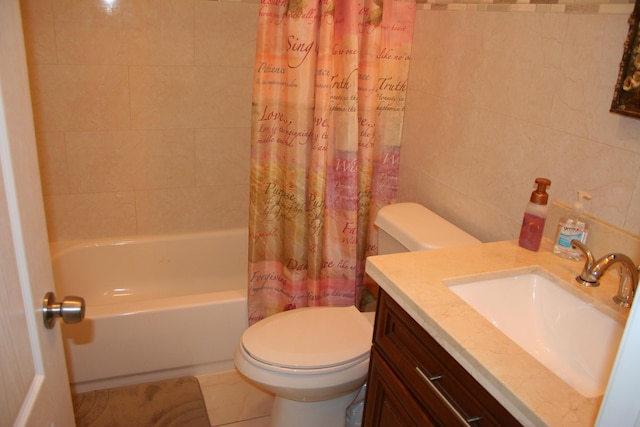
(626, 96)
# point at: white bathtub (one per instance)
(157, 307)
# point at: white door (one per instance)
(34, 388)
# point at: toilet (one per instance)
(316, 359)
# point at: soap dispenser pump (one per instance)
(535, 215)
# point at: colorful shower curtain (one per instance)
(330, 82)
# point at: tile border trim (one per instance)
(585, 7)
(530, 6)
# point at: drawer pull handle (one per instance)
(430, 382)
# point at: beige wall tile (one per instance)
(164, 159)
(128, 160)
(534, 103)
(190, 97)
(502, 99)
(225, 33)
(192, 209)
(84, 216)
(223, 156)
(52, 158)
(39, 31)
(83, 97)
(83, 54)
(124, 31)
(99, 162)
(632, 221)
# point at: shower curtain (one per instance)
(330, 82)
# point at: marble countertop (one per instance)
(531, 392)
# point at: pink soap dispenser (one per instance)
(535, 215)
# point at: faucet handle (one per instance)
(628, 282)
(585, 278)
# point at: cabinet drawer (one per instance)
(436, 380)
(389, 403)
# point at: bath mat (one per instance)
(171, 403)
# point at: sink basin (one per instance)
(566, 334)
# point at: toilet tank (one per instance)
(408, 227)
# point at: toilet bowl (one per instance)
(315, 360)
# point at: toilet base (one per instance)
(325, 413)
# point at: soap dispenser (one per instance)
(535, 214)
(570, 227)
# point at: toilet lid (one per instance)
(310, 338)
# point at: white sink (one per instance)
(566, 334)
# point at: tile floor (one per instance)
(233, 402)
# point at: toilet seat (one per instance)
(301, 372)
(317, 339)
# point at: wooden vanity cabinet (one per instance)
(413, 381)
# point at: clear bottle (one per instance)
(570, 227)
(535, 215)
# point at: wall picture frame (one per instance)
(626, 97)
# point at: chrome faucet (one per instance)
(593, 270)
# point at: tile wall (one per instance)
(497, 99)
(142, 113)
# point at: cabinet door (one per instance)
(388, 402)
(436, 381)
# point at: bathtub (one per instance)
(156, 307)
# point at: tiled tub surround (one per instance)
(142, 112)
(525, 387)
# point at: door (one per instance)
(34, 388)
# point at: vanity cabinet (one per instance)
(413, 381)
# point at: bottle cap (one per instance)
(540, 196)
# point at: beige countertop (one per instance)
(531, 392)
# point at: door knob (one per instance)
(70, 310)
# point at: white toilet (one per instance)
(316, 359)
